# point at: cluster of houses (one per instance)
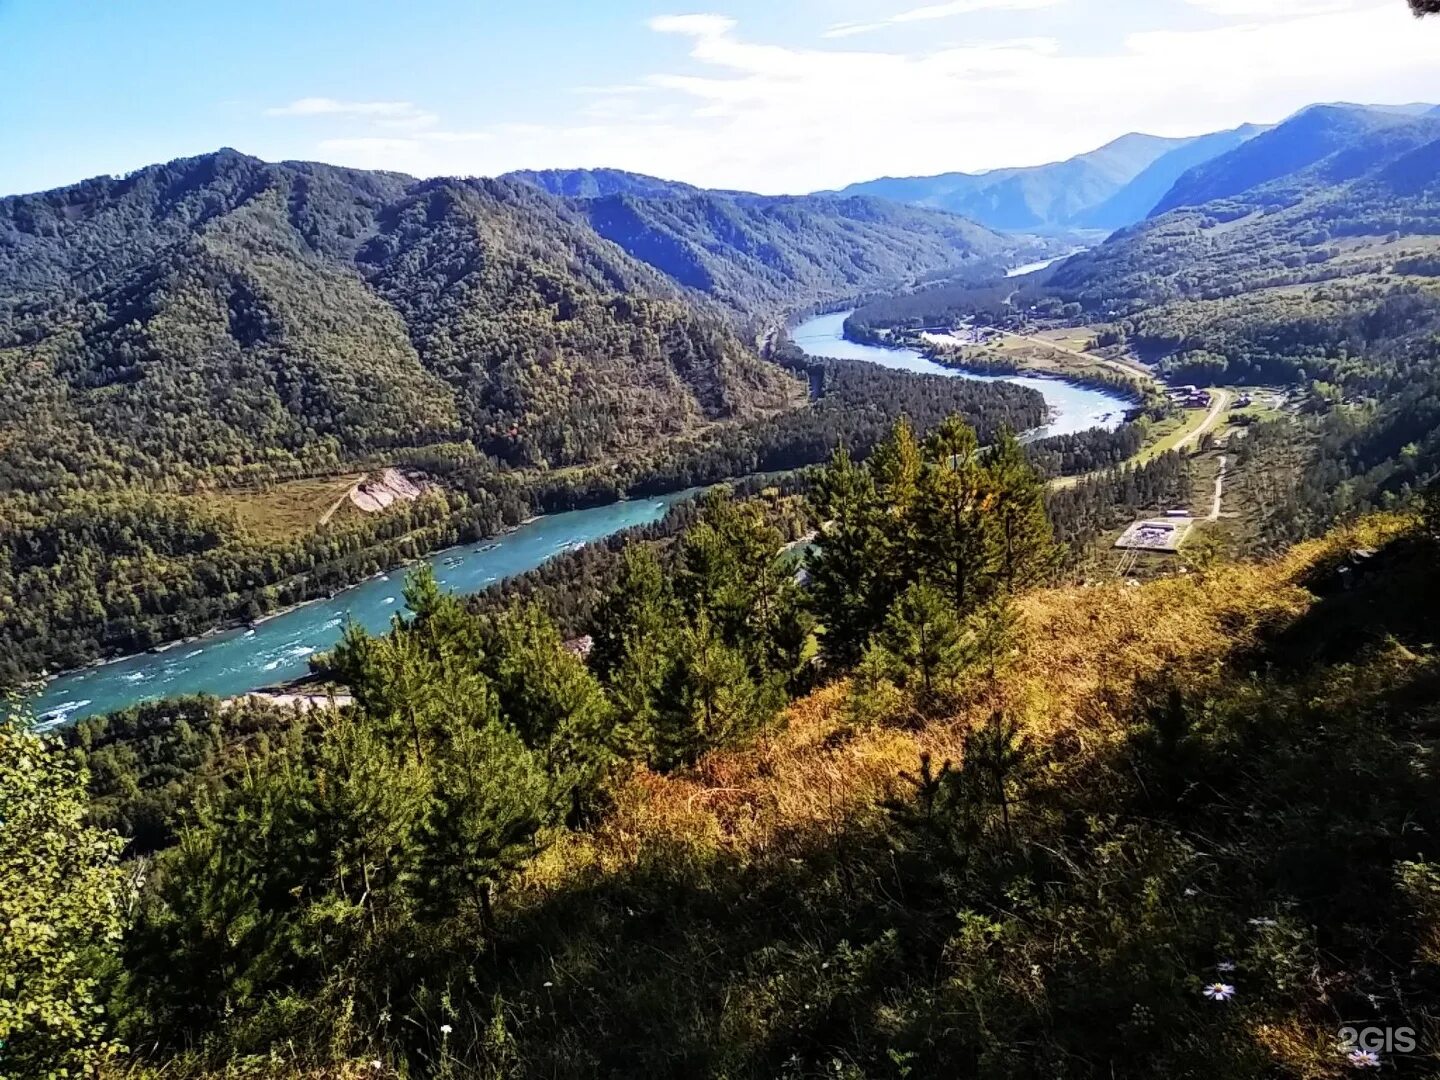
(1189, 397)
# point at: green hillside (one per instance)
(221, 313)
(767, 255)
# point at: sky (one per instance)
(762, 95)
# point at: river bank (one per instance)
(274, 651)
(1073, 407)
(246, 658)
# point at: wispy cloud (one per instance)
(385, 113)
(765, 114)
(693, 25)
(1278, 9)
(937, 11)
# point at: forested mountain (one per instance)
(598, 183)
(1331, 193)
(222, 312)
(760, 254)
(212, 328)
(1066, 194)
(1309, 137)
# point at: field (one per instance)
(286, 510)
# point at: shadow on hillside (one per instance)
(1364, 598)
(873, 951)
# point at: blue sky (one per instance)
(768, 95)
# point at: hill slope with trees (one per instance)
(1163, 830)
(222, 312)
(764, 255)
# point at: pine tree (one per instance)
(926, 642)
(553, 701)
(728, 569)
(850, 583)
(491, 798)
(635, 632)
(709, 697)
(638, 607)
(1001, 753)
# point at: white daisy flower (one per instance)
(1363, 1059)
(1219, 991)
(445, 1029)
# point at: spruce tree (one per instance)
(1023, 543)
(956, 547)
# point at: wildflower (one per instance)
(1219, 991)
(1363, 1059)
(1225, 967)
(445, 1029)
(377, 1065)
(548, 984)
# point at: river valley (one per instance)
(278, 649)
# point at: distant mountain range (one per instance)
(1335, 191)
(762, 254)
(1106, 189)
(1119, 184)
(1039, 197)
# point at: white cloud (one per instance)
(742, 113)
(693, 25)
(937, 11)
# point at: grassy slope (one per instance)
(711, 899)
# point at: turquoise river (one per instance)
(278, 649)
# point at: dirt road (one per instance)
(1219, 402)
(1219, 489)
(1090, 358)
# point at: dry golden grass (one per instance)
(286, 510)
(1081, 656)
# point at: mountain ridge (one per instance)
(222, 309)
